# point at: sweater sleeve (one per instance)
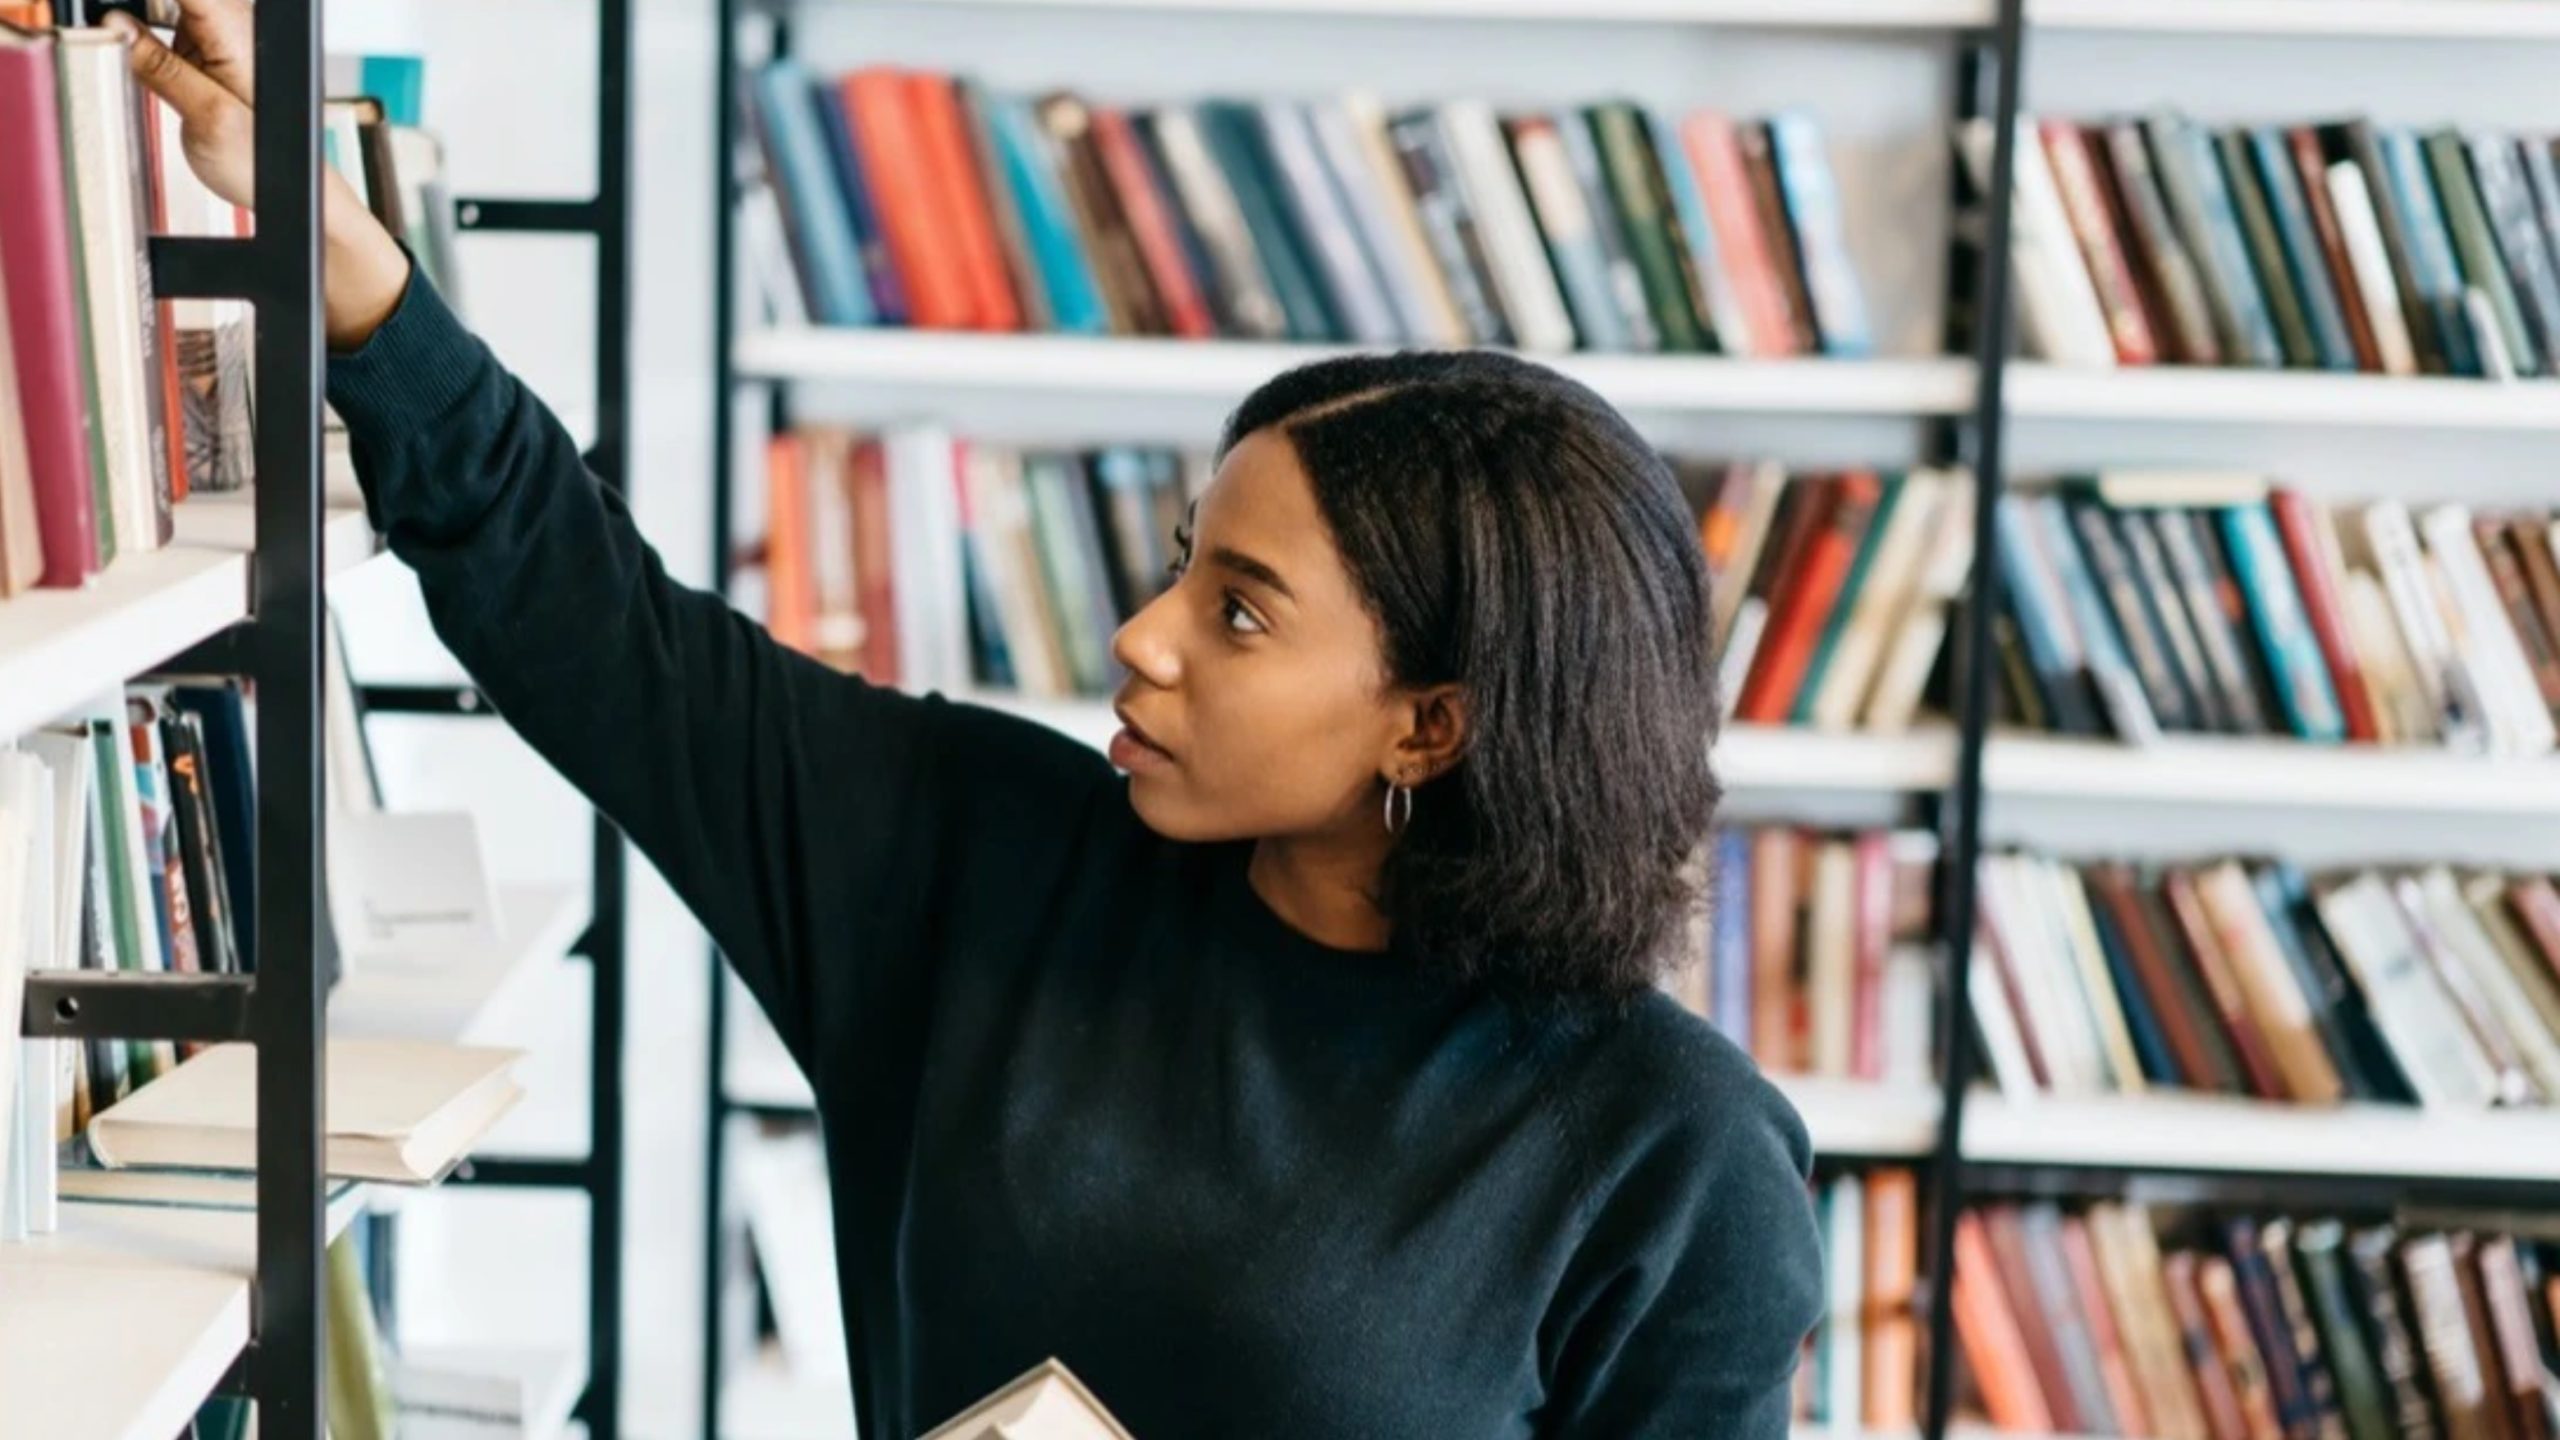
(1695, 1288)
(798, 812)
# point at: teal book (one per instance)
(2307, 263)
(1233, 132)
(1048, 224)
(2303, 691)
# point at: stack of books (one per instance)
(2138, 603)
(2345, 247)
(116, 405)
(2092, 1322)
(898, 197)
(2249, 979)
(1861, 1365)
(1811, 951)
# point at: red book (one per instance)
(1724, 188)
(791, 595)
(2042, 1331)
(967, 220)
(2537, 904)
(2195, 924)
(2084, 203)
(1872, 936)
(1805, 600)
(156, 222)
(874, 575)
(2300, 527)
(1994, 1340)
(2313, 168)
(1144, 206)
(35, 233)
(895, 161)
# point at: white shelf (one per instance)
(764, 1400)
(2234, 771)
(454, 998)
(2398, 19)
(2279, 397)
(1773, 14)
(1858, 1117)
(60, 648)
(1226, 369)
(550, 1380)
(118, 1325)
(2211, 1132)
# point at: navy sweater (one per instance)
(1083, 1094)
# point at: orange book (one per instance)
(1143, 205)
(2115, 1363)
(1805, 600)
(896, 162)
(874, 573)
(2220, 1290)
(1724, 187)
(1889, 1349)
(2214, 1388)
(1994, 1346)
(2222, 982)
(1776, 863)
(961, 209)
(791, 599)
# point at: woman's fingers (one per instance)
(189, 91)
(221, 37)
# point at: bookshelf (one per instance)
(454, 998)
(1969, 1143)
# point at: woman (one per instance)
(1310, 1081)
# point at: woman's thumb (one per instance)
(164, 73)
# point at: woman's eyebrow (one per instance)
(1251, 569)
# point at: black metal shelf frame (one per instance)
(1990, 62)
(606, 219)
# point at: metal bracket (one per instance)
(91, 1005)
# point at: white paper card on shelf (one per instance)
(410, 887)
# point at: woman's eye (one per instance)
(1239, 619)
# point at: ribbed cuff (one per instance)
(414, 366)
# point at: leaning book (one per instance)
(1047, 1402)
(399, 1111)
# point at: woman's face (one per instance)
(1256, 705)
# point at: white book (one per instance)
(1045, 1403)
(2058, 310)
(1748, 623)
(2472, 948)
(994, 477)
(1521, 274)
(2362, 232)
(98, 131)
(1844, 1255)
(1408, 258)
(2402, 713)
(2047, 991)
(2106, 1004)
(2003, 1047)
(2409, 1006)
(2519, 722)
(924, 527)
(1309, 192)
(399, 1111)
(2511, 1082)
(769, 268)
(2446, 678)
(1895, 697)
(1363, 193)
(1877, 609)
(1910, 1014)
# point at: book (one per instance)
(1046, 1402)
(401, 1112)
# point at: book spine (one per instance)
(1730, 992)
(2168, 259)
(2299, 250)
(2299, 526)
(2310, 173)
(2507, 198)
(1425, 162)
(1566, 223)
(2193, 181)
(813, 195)
(2431, 250)
(2370, 260)
(2266, 251)
(2076, 176)
(1813, 208)
(1714, 146)
(1158, 246)
(2283, 630)
(35, 231)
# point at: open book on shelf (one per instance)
(1047, 1402)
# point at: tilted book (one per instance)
(1046, 1402)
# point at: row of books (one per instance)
(900, 197)
(2348, 246)
(2144, 602)
(2239, 1327)
(115, 404)
(1861, 1366)
(1810, 950)
(2419, 986)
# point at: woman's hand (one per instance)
(209, 77)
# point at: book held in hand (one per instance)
(1047, 1402)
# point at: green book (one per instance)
(2362, 1397)
(1851, 585)
(2477, 246)
(116, 811)
(1234, 138)
(1636, 188)
(359, 1395)
(2266, 250)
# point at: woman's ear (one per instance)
(1435, 735)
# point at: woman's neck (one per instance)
(1324, 890)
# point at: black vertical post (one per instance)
(285, 578)
(724, 329)
(607, 966)
(1962, 819)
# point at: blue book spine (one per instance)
(2275, 613)
(2430, 247)
(1813, 204)
(986, 619)
(400, 83)
(1691, 208)
(2101, 644)
(2150, 1046)
(2302, 254)
(888, 291)
(1729, 993)
(2039, 629)
(810, 191)
(2230, 252)
(1066, 273)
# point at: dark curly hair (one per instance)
(1515, 536)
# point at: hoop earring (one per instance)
(1399, 807)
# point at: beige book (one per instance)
(2496, 655)
(1831, 950)
(994, 477)
(1046, 1402)
(1522, 276)
(401, 1111)
(21, 546)
(2057, 1015)
(2370, 262)
(1418, 266)
(2106, 1006)
(2444, 1064)
(1876, 610)
(2401, 712)
(1947, 562)
(1768, 483)
(2182, 489)
(98, 134)
(2129, 1272)
(2486, 894)
(2267, 984)
(2508, 1002)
